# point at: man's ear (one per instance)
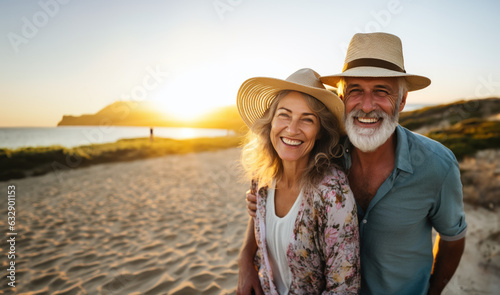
(403, 102)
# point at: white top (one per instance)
(279, 231)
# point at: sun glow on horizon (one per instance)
(184, 109)
(201, 90)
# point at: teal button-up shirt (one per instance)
(423, 191)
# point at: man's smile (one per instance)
(366, 120)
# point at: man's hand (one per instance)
(251, 204)
(248, 279)
(445, 263)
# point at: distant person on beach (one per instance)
(306, 228)
(404, 184)
(151, 137)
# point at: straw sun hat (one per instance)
(376, 55)
(256, 94)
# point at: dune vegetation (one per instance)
(465, 127)
(23, 162)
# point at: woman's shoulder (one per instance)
(334, 178)
(334, 189)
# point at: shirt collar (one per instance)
(403, 161)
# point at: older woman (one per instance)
(306, 232)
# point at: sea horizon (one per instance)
(73, 136)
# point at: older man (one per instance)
(404, 184)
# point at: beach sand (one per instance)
(168, 225)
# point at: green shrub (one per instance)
(37, 161)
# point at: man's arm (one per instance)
(446, 262)
(248, 278)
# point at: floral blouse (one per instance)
(324, 252)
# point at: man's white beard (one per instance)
(369, 139)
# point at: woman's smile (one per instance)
(292, 142)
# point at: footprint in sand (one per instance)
(201, 280)
(42, 281)
(83, 267)
(161, 288)
(49, 262)
(185, 288)
(93, 282)
(129, 283)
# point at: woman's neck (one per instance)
(292, 172)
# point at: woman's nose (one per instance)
(293, 126)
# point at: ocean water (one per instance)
(71, 136)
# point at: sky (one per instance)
(74, 57)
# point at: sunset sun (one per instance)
(194, 94)
(183, 109)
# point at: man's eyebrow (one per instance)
(352, 86)
(385, 86)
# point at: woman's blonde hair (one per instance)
(262, 163)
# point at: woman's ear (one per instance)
(320, 134)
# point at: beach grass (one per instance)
(451, 113)
(33, 161)
(469, 136)
(465, 127)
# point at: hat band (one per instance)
(372, 62)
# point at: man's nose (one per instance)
(367, 102)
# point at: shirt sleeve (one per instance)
(448, 216)
(339, 239)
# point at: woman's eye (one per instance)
(283, 115)
(308, 120)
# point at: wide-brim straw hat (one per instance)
(376, 55)
(256, 94)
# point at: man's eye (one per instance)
(381, 93)
(354, 92)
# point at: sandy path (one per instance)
(170, 225)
